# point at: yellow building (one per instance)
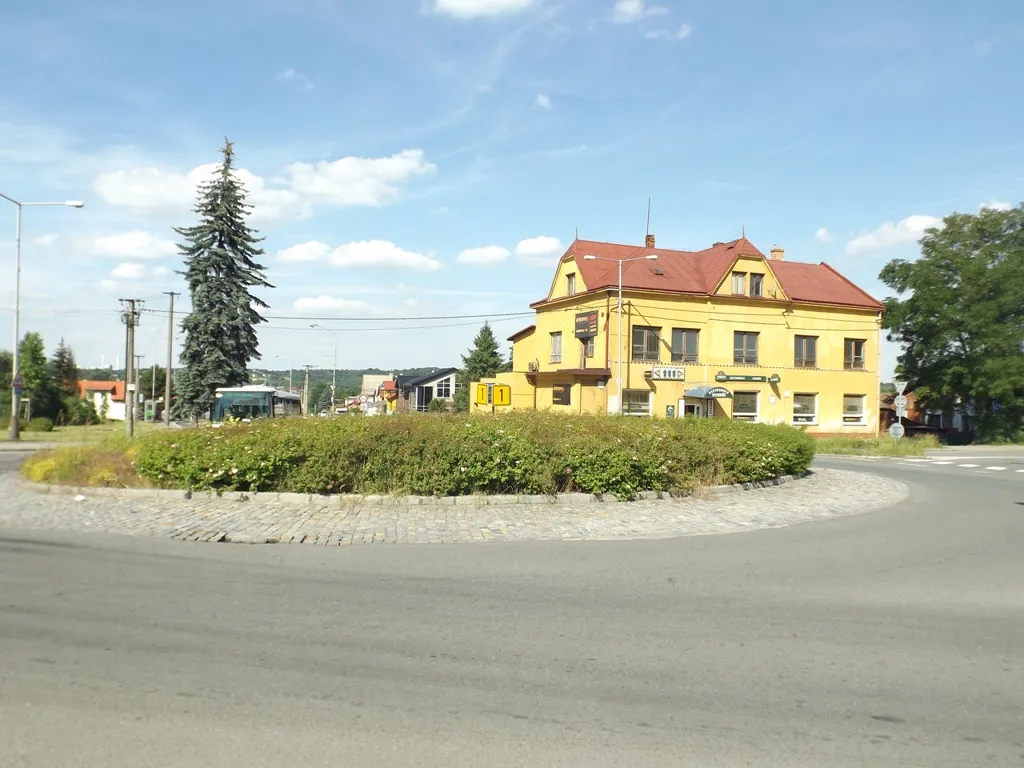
(721, 333)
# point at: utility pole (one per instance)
(130, 317)
(305, 389)
(170, 361)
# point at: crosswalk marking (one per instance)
(997, 469)
(917, 461)
(942, 462)
(1021, 471)
(971, 466)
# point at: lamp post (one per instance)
(620, 262)
(334, 375)
(15, 373)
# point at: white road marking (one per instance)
(971, 466)
(917, 461)
(943, 463)
(997, 469)
(1021, 471)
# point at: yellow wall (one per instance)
(776, 321)
(559, 287)
(770, 288)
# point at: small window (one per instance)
(444, 387)
(646, 344)
(805, 409)
(556, 347)
(739, 283)
(570, 284)
(805, 352)
(744, 406)
(636, 402)
(561, 393)
(853, 354)
(744, 351)
(756, 284)
(853, 409)
(684, 345)
(588, 347)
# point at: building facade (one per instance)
(721, 333)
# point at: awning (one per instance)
(707, 393)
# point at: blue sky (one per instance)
(417, 158)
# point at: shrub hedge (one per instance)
(449, 455)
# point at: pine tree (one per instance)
(64, 371)
(220, 269)
(484, 361)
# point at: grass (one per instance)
(108, 464)
(876, 446)
(92, 434)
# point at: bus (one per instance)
(254, 402)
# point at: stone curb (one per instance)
(356, 500)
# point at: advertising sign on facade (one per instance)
(586, 324)
(664, 373)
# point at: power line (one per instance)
(377, 318)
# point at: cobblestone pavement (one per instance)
(826, 493)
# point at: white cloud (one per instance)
(628, 11)
(543, 101)
(381, 253)
(823, 235)
(108, 286)
(470, 9)
(995, 205)
(909, 230)
(361, 181)
(490, 254)
(296, 78)
(441, 210)
(137, 244)
(128, 271)
(540, 248)
(332, 304)
(665, 34)
(411, 303)
(162, 271)
(44, 240)
(305, 252)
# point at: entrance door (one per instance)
(423, 397)
(690, 409)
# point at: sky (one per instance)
(410, 160)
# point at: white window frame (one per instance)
(863, 411)
(556, 347)
(570, 284)
(802, 419)
(746, 416)
(437, 389)
(646, 392)
(760, 284)
(855, 363)
(739, 279)
(588, 347)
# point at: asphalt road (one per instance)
(894, 638)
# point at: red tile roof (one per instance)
(114, 388)
(700, 272)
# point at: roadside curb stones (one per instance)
(339, 521)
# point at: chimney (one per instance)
(649, 243)
(777, 253)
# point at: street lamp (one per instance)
(334, 376)
(15, 373)
(620, 262)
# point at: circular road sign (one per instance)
(900, 401)
(362, 398)
(897, 430)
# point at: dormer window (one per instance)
(570, 284)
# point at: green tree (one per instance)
(32, 362)
(220, 268)
(64, 371)
(146, 381)
(483, 362)
(319, 396)
(6, 379)
(960, 315)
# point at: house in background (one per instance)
(106, 396)
(416, 394)
(371, 384)
(387, 395)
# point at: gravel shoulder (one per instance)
(823, 494)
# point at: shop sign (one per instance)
(586, 325)
(667, 373)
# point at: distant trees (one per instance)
(221, 267)
(960, 314)
(50, 386)
(483, 362)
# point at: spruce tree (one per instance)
(64, 371)
(484, 361)
(220, 268)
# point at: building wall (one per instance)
(776, 322)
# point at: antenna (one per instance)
(648, 218)
(743, 231)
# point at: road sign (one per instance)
(900, 401)
(897, 431)
(363, 398)
(901, 386)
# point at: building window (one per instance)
(556, 347)
(684, 345)
(744, 348)
(636, 402)
(570, 284)
(756, 284)
(444, 387)
(588, 347)
(853, 409)
(744, 406)
(805, 409)
(739, 283)
(805, 352)
(853, 354)
(646, 344)
(560, 394)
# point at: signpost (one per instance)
(18, 384)
(897, 431)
